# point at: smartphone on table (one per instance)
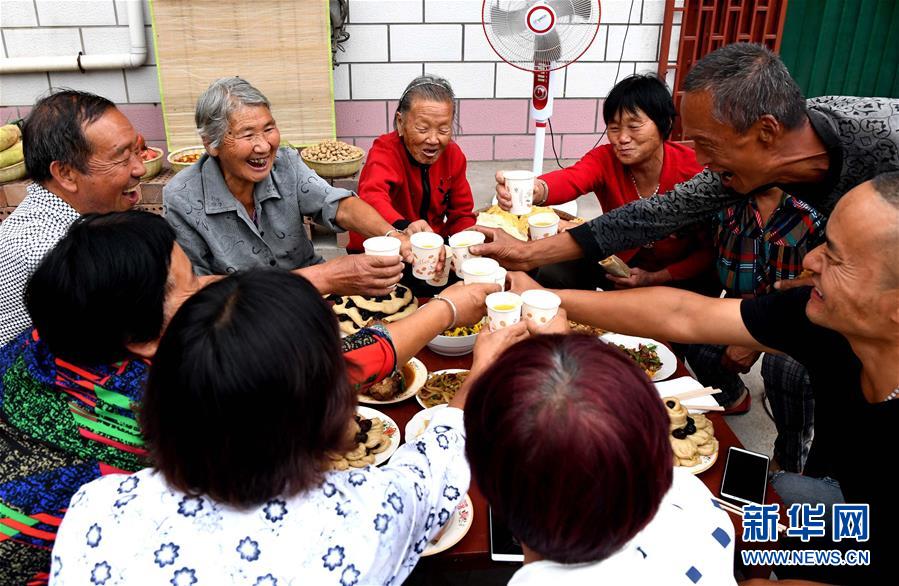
(503, 545)
(745, 477)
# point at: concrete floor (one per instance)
(755, 429)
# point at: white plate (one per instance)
(705, 462)
(446, 371)
(458, 525)
(669, 361)
(389, 424)
(686, 383)
(419, 376)
(420, 422)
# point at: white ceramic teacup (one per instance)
(521, 188)
(426, 247)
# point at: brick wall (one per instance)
(391, 42)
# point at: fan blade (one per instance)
(547, 48)
(577, 8)
(507, 22)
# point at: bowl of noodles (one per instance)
(441, 387)
(457, 341)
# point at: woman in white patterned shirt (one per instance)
(247, 395)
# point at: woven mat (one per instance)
(280, 46)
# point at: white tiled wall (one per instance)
(446, 37)
(371, 81)
(386, 10)
(469, 80)
(391, 41)
(425, 42)
(75, 12)
(65, 27)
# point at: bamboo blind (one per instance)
(282, 47)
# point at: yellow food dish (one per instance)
(464, 330)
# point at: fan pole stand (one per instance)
(539, 145)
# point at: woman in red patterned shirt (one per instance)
(639, 162)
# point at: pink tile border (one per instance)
(360, 117)
(575, 146)
(8, 114)
(490, 116)
(146, 118)
(476, 147)
(365, 142)
(571, 116)
(600, 123)
(519, 146)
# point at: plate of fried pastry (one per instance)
(692, 437)
(376, 438)
(397, 387)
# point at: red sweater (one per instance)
(391, 181)
(685, 255)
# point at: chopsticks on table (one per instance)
(695, 394)
(738, 511)
(702, 407)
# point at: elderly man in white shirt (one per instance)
(82, 154)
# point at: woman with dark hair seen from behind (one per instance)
(68, 387)
(592, 494)
(639, 162)
(247, 397)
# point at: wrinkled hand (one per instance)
(519, 282)
(470, 301)
(557, 325)
(362, 274)
(509, 252)
(793, 283)
(638, 278)
(489, 345)
(739, 358)
(418, 226)
(566, 225)
(405, 246)
(503, 197)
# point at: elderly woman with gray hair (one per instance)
(415, 176)
(242, 204)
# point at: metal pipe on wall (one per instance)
(136, 57)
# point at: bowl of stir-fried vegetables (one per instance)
(457, 341)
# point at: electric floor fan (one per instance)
(540, 36)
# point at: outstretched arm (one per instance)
(662, 313)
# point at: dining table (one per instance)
(472, 552)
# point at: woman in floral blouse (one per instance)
(247, 395)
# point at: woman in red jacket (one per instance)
(415, 176)
(639, 162)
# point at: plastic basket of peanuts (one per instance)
(333, 158)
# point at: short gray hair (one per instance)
(426, 87)
(221, 99)
(747, 81)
